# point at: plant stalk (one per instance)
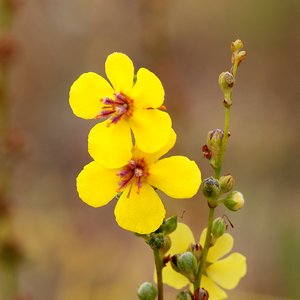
(159, 266)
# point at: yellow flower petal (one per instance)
(181, 239)
(148, 90)
(86, 94)
(120, 71)
(151, 129)
(141, 212)
(215, 292)
(228, 271)
(110, 145)
(97, 185)
(222, 246)
(177, 176)
(151, 158)
(172, 278)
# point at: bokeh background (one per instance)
(74, 251)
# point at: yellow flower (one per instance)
(139, 208)
(125, 107)
(225, 273)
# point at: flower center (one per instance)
(115, 109)
(135, 172)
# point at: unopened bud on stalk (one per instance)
(184, 295)
(211, 190)
(186, 264)
(169, 225)
(237, 45)
(147, 291)
(226, 82)
(156, 240)
(218, 228)
(214, 144)
(234, 201)
(226, 183)
(214, 140)
(196, 249)
(166, 246)
(241, 56)
(203, 295)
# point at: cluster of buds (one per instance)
(213, 188)
(237, 52)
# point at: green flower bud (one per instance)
(166, 246)
(226, 82)
(218, 228)
(234, 201)
(214, 140)
(211, 190)
(214, 143)
(187, 265)
(147, 291)
(236, 45)
(184, 295)
(169, 225)
(241, 56)
(226, 183)
(156, 240)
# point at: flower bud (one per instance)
(211, 190)
(218, 228)
(184, 295)
(237, 45)
(214, 140)
(241, 56)
(234, 201)
(187, 265)
(202, 294)
(147, 291)
(156, 240)
(226, 82)
(226, 183)
(166, 246)
(169, 225)
(214, 143)
(196, 249)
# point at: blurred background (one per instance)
(73, 251)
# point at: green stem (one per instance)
(224, 143)
(226, 125)
(159, 266)
(205, 250)
(218, 170)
